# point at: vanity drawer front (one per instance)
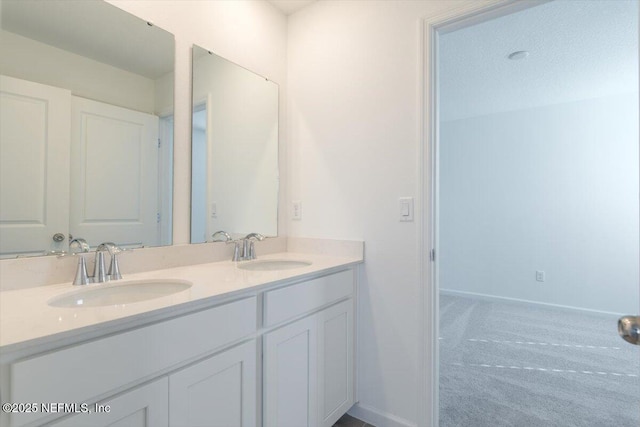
(81, 373)
(290, 301)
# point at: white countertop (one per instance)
(26, 319)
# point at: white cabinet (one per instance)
(335, 362)
(204, 368)
(290, 381)
(218, 392)
(96, 368)
(308, 369)
(144, 406)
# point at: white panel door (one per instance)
(114, 174)
(144, 406)
(217, 392)
(335, 362)
(34, 166)
(290, 375)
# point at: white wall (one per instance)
(354, 132)
(251, 33)
(519, 189)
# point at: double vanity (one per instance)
(187, 337)
(266, 342)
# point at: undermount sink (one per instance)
(273, 265)
(119, 293)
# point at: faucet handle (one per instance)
(252, 250)
(222, 233)
(236, 249)
(114, 268)
(82, 246)
(256, 236)
(249, 250)
(109, 246)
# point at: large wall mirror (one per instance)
(234, 150)
(86, 119)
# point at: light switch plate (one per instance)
(406, 209)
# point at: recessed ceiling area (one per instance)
(576, 50)
(290, 6)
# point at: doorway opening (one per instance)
(536, 216)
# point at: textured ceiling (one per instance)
(578, 50)
(290, 6)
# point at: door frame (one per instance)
(428, 369)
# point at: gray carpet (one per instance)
(512, 364)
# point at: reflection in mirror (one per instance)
(86, 141)
(234, 150)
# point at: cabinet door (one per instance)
(290, 375)
(217, 392)
(335, 362)
(144, 406)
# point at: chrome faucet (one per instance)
(100, 273)
(248, 250)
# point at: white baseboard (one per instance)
(488, 297)
(378, 418)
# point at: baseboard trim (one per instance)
(488, 297)
(378, 418)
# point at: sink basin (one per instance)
(119, 293)
(273, 264)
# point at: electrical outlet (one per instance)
(296, 213)
(540, 276)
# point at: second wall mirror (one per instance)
(234, 181)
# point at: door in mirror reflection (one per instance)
(114, 174)
(34, 165)
(118, 185)
(234, 150)
(73, 166)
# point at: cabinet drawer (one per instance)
(85, 371)
(290, 301)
